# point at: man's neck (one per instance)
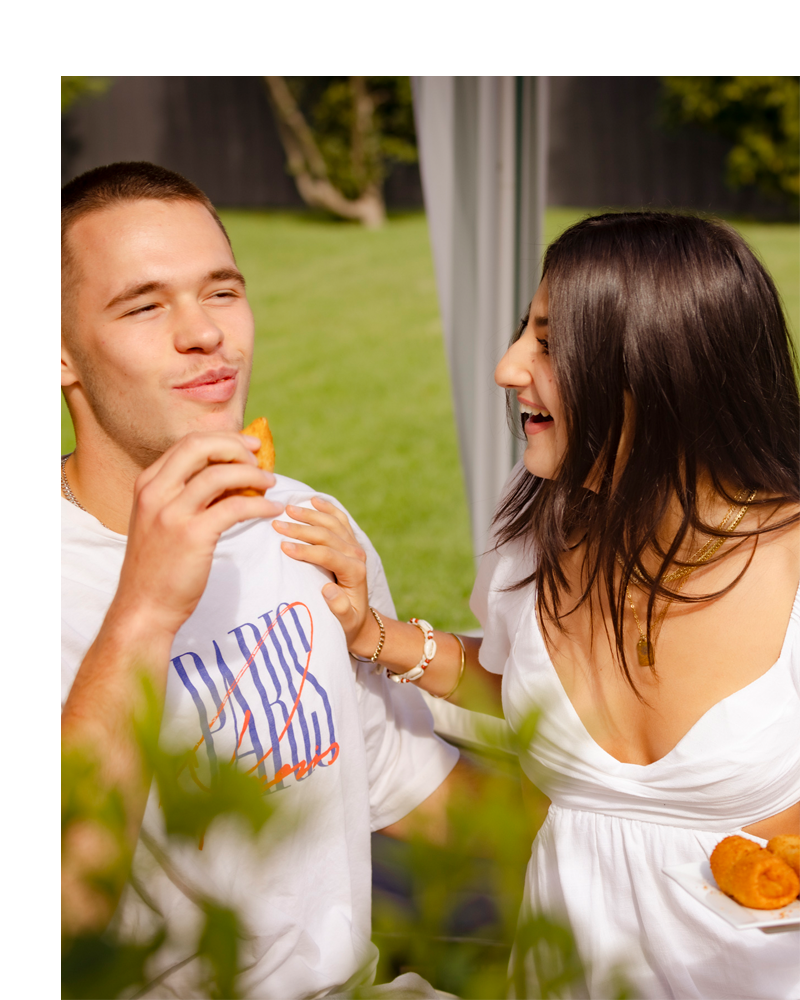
(102, 481)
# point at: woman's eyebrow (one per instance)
(540, 321)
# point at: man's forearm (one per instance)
(98, 720)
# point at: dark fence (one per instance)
(608, 145)
(218, 131)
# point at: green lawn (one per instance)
(351, 372)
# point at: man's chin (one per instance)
(228, 420)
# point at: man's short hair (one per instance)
(115, 184)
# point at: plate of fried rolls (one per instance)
(747, 884)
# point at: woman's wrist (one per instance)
(368, 640)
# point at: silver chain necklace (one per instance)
(65, 486)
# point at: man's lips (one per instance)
(217, 385)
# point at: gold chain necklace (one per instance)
(645, 649)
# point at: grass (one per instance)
(350, 369)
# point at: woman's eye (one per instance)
(545, 345)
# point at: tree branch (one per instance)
(307, 165)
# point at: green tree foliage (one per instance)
(759, 115)
(341, 136)
(330, 107)
(75, 87)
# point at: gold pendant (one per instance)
(646, 653)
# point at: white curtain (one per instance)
(482, 146)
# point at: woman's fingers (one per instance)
(325, 515)
(339, 603)
(349, 572)
(313, 535)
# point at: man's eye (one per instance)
(141, 309)
(545, 345)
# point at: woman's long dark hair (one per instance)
(678, 311)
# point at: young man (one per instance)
(237, 640)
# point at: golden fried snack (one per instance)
(787, 848)
(724, 857)
(761, 880)
(265, 456)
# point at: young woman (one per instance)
(642, 585)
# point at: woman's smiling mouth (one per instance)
(534, 418)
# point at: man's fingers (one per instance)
(232, 510)
(214, 480)
(192, 454)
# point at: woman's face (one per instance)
(525, 370)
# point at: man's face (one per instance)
(159, 337)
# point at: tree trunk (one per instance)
(307, 165)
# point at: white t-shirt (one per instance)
(261, 673)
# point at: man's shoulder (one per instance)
(292, 491)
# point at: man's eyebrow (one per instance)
(225, 274)
(134, 291)
(145, 288)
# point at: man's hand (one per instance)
(175, 523)
(332, 544)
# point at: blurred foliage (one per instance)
(73, 88)
(760, 115)
(454, 921)
(106, 965)
(328, 104)
(452, 912)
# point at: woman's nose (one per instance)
(512, 372)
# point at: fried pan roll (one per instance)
(724, 857)
(787, 848)
(265, 456)
(761, 880)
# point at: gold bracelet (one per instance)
(382, 639)
(460, 673)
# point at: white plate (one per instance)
(696, 878)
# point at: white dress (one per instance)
(612, 827)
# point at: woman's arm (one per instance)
(332, 544)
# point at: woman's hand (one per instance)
(333, 545)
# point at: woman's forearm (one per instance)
(402, 650)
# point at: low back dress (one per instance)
(598, 859)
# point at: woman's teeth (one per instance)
(534, 414)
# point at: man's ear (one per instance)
(69, 374)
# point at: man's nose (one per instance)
(196, 331)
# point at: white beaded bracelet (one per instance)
(428, 653)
